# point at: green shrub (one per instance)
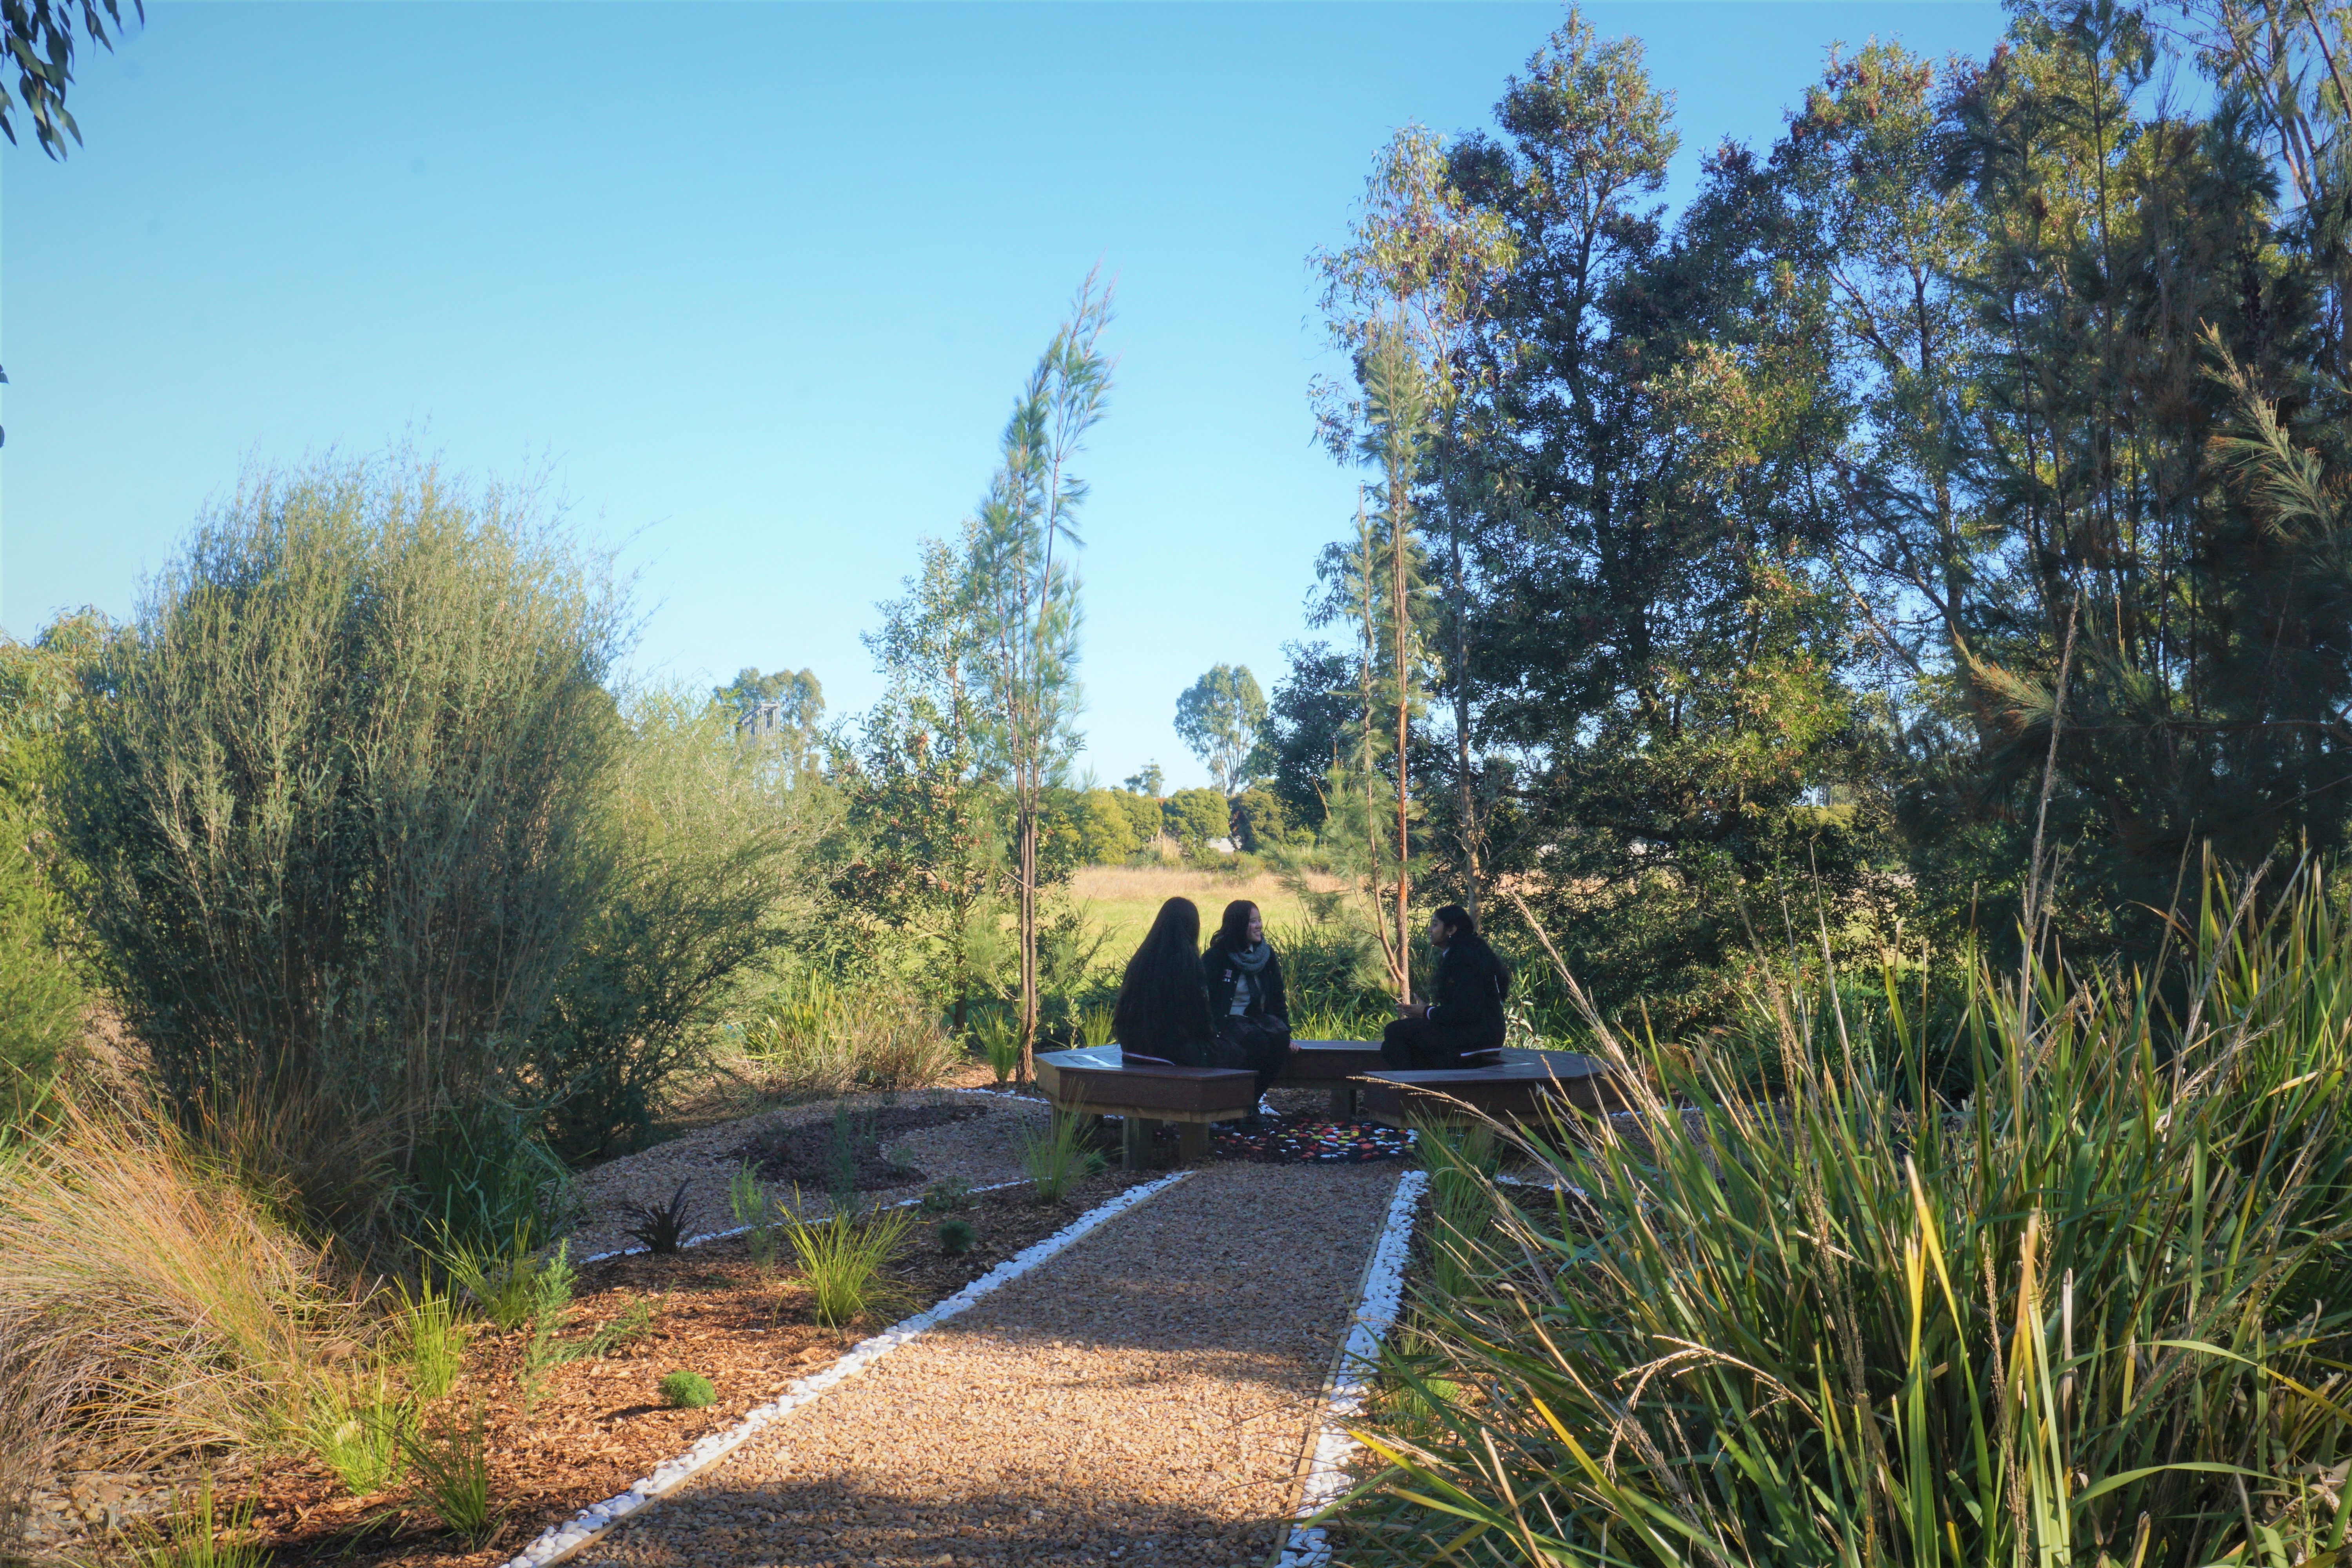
(701, 835)
(40, 996)
(1057, 1159)
(687, 1391)
(956, 1237)
(820, 1039)
(841, 1258)
(2100, 1310)
(336, 807)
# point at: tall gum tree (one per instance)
(1024, 587)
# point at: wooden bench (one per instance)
(1100, 1081)
(1516, 1086)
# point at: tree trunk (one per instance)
(1397, 622)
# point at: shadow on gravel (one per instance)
(1054, 1519)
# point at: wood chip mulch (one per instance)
(599, 1425)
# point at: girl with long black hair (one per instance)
(1163, 1008)
(1247, 1000)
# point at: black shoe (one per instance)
(1253, 1123)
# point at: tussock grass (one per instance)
(841, 1258)
(2097, 1314)
(1057, 1159)
(820, 1039)
(179, 1310)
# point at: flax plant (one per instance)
(2095, 1313)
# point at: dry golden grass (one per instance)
(179, 1310)
(1120, 900)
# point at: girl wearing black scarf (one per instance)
(1245, 994)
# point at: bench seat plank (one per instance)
(1525, 1084)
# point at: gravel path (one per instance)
(1143, 1398)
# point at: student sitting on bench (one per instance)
(1472, 982)
(1163, 1006)
(1246, 999)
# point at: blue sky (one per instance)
(753, 285)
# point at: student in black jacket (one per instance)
(1471, 983)
(1247, 1000)
(1162, 1008)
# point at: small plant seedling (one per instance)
(197, 1538)
(356, 1430)
(842, 1256)
(686, 1390)
(450, 1465)
(749, 1201)
(437, 1342)
(636, 1323)
(947, 1195)
(956, 1237)
(660, 1228)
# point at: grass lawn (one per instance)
(1121, 900)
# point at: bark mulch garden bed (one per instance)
(600, 1423)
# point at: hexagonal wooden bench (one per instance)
(1514, 1086)
(1100, 1081)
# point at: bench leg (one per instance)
(1192, 1140)
(1135, 1144)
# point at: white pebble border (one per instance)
(743, 1229)
(1351, 1374)
(591, 1523)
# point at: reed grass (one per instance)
(1000, 1041)
(449, 1466)
(2096, 1313)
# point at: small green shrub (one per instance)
(636, 1323)
(956, 1237)
(356, 1430)
(841, 1259)
(196, 1537)
(450, 1464)
(947, 1195)
(1057, 1159)
(754, 1208)
(1095, 1028)
(435, 1338)
(687, 1391)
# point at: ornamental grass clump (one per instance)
(175, 1309)
(1057, 1159)
(354, 1428)
(842, 1258)
(2099, 1312)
